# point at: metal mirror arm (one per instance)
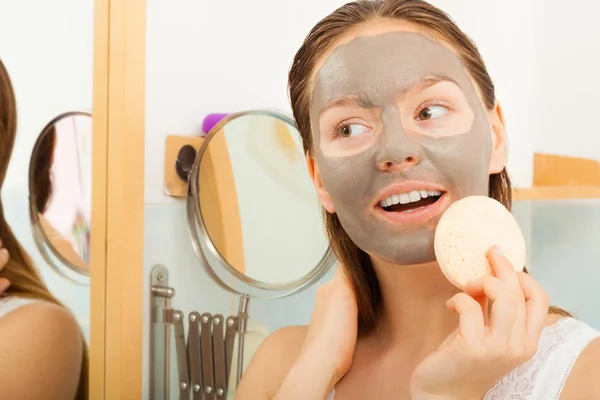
(162, 317)
(194, 356)
(242, 328)
(204, 363)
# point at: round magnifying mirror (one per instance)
(254, 216)
(60, 173)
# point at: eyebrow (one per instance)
(417, 86)
(425, 83)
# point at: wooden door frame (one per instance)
(117, 241)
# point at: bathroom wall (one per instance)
(206, 57)
(563, 254)
(506, 34)
(568, 79)
(47, 47)
(544, 58)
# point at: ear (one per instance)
(315, 175)
(499, 145)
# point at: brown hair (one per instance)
(24, 278)
(42, 170)
(417, 12)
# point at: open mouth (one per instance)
(412, 201)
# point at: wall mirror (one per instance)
(60, 173)
(256, 209)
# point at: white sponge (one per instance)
(467, 230)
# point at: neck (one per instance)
(413, 313)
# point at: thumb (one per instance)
(4, 284)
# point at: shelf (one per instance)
(557, 193)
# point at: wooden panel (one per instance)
(555, 170)
(125, 201)
(174, 186)
(557, 193)
(98, 222)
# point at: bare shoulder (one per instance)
(51, 317)
(271, 363)
(584, 380)
(40, 342)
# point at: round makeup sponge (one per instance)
(465, 233)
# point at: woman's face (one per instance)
(400, 133)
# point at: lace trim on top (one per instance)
(559, 347)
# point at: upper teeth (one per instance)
(405, 198)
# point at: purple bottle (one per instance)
(210, 121)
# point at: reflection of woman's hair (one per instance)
(42, 177)
(24, 278)
(422, 14)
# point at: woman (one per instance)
(43, 353)
(399, 119)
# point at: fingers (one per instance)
(523, 305)
(503, 269)
(471, 321)
(536, 305)
(506, 290)
(339, 277)
(3, 257)
(504, 309)
(340, 274)
(340, 284)
(4, 285)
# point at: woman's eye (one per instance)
(432, 112)
(349, 130)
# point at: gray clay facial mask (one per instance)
(418, 118)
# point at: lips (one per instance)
(424, 211)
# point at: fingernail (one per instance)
(4, 251)
(499, 251)
(4, 285)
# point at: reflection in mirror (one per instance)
(257, 201)
(60, 193)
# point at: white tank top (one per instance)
(544, 376)
(8, 304)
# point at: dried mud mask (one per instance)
(392, 109)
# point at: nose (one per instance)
(405, 165)
(398, 150)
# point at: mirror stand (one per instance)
(204, 360)
(242, 319)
